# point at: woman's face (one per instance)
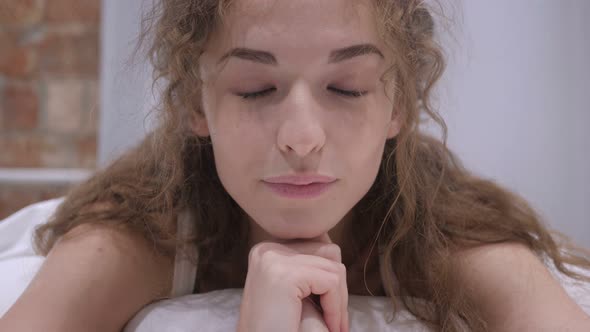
(293, 88)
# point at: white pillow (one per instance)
(18, 261)
(219, 311)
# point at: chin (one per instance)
(288, 228)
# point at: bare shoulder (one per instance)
(94, 279)
(515, 291)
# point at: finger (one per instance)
(327, 250)
(317, 262)
(327, 286)
(346, 327)
(344, 324)
(344, 292)
(311, 319)
(331, 253)
(325, 238)
(331, 302)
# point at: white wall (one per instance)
(514, 97)
(517, 105)
(126, 95)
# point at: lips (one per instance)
(302, 179)
(299, 185)
(288, 190)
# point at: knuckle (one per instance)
(279, 272)
(334, 280)
(253, 254)
(338, 268)
(276, 270)
(257, 252)
(265, 258)
(335, 251)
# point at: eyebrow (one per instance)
(267, 58)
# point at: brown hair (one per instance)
(423, 206)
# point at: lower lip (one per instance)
(299, 191)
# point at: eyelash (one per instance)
(262, 93)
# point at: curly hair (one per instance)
(422, 208)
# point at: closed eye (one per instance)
(348, 93)
(256, 94)
(265, 92)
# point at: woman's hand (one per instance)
(281, 275)
(311, 318)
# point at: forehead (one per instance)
(296, 25)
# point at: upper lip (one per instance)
(301, 179)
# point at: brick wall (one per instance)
(49, 60)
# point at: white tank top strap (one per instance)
(185, 272)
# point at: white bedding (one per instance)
(214, 311)
(218, 311)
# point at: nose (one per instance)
(301, 132)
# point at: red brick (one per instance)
(20, 150)
(21, 12)
(36, 150)
(18, 62)
(49, 192)
(86, 152)
(68, 11)
(16, 197)
(91, 108)
(7, 37)
(64, 106)
(12, 200)
(20, 107)
(70, 54)
(57, 152)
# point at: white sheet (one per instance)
(219, 310)
(18, 261)
(214, 311)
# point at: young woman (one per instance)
(290, 138)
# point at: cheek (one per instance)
(362, 127)
(365, 154)
(361, 137)
(239, 141)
